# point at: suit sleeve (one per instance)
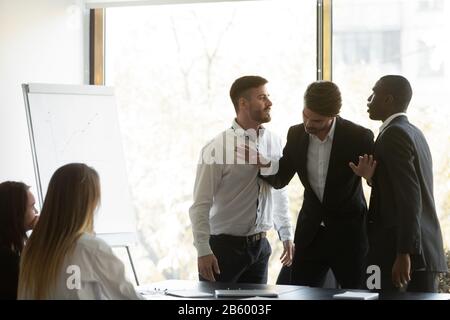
(367, 146)
(281, 172)
(399, 155)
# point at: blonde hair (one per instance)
(73, 195)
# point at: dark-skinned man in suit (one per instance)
(405, 239)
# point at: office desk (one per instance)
(285, 292)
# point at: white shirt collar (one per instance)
(389, 120)
(247, 133)
(331, 132)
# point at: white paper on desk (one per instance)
(189, 294)
(160, 297)
(257, 298)
(355, 295)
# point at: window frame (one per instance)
(97, 17)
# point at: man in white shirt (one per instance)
(233, 208)
(330, 232)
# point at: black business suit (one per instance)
(342, 243)
(402, 213)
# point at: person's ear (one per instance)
(243, 103)
(389, 99)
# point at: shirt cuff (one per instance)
(203, 249)
(273, 169)
(285, 233)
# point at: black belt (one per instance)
(240, 239)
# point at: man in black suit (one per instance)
(330, 231)
(405, 238)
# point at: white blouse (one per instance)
(91, 272)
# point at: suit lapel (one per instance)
(335, 155)
(303, 153)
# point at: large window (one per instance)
(408, 37)
(172, 67)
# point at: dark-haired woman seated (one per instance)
(17, 216)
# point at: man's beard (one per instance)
(262, 116)
(312, 130)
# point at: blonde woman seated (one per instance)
(63, 259)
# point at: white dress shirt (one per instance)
(318, 159)
(229, 196)
(101, 274)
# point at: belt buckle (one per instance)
(254, 238)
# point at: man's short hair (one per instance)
(400, 89)
(323, 97)
(240, 88)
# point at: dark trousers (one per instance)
(284, 277)
(311, 264)
(240, 261)
(382, 253)
(421, 281)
